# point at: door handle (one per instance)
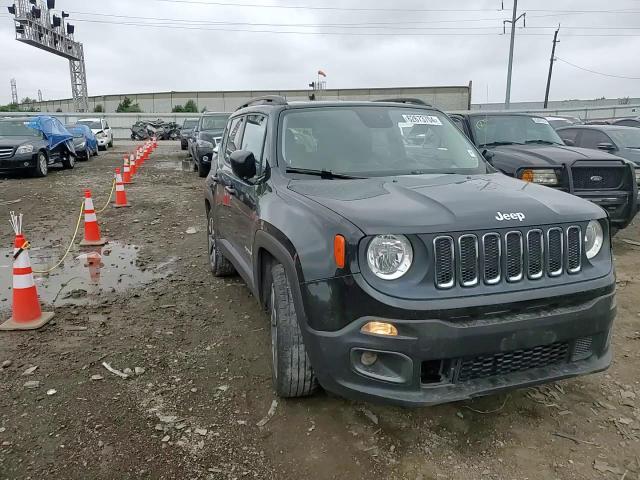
(230, 190)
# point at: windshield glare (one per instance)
(91, 125)
(17, 128)
(491, 129)
(627, 138)
(376, 141)
(217, 122)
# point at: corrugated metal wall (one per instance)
(447, 98)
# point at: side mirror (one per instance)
(488, 155)
(568, 142)
(609, 147)
(216, 149)
(243, 164)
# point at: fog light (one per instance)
(368, 358)
(380, 328)
(26, 164)
(205, 159)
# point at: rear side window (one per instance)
(255, 130)
(592, 138)
(570, 134)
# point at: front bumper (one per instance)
(439, 358)
(103, 142)
(621, 206)
(18, 162)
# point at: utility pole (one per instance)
(553, 59)
(14, 92)
(513, 22)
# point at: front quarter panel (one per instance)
(310, 228)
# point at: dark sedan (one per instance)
(621, 141)
(627, 122)
(24, 148)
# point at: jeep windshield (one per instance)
(188, 124)
(375, 141)
(496, 130)
(214, 122)
(17, 128)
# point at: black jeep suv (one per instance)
(404, 271)
(527, 147)
(204, 139)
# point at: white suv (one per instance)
(100, 129)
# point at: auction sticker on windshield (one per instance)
(540, 120)
(422, 119)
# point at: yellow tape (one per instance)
(73, 239)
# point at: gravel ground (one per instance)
(202, 385)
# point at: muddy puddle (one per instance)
(174, 165)
(85, 274)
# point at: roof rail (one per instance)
(412, 101)
(266, 100)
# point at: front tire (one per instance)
(291, 370)
(203, 170)
(42, 165)
(69, 162)
(110, 143)
(220, 266)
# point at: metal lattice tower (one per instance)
(37, 26)
(14, 92)
(39, 95)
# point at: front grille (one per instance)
(484, 366)
(598, 178)
(514, 255)
(6, 152)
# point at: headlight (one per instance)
(593, 239)
(541, 176)
(389, 256)
(204, 144)
(24, 149)
(101, 135)
(82, 144)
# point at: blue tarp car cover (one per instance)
(53, 131)
(90, 138)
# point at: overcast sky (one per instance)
(413, 48)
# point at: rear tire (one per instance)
(292, 374)
(42, 165)
(220, 266)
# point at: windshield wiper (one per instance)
(543, 142)
(324, 174)
(497, 144)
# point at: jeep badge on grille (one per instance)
(510, 216)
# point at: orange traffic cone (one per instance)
(126, 177)
(121, 195)
(26, 314)
(132, 162)
(91, 229)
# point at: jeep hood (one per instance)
(444, 203)
(543, 155)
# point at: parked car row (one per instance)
(396, 263)
(202, 139)
(33, 144)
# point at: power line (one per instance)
(376, 9)
(597, 73)
(427, 33)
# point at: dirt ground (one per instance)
(203, 344)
